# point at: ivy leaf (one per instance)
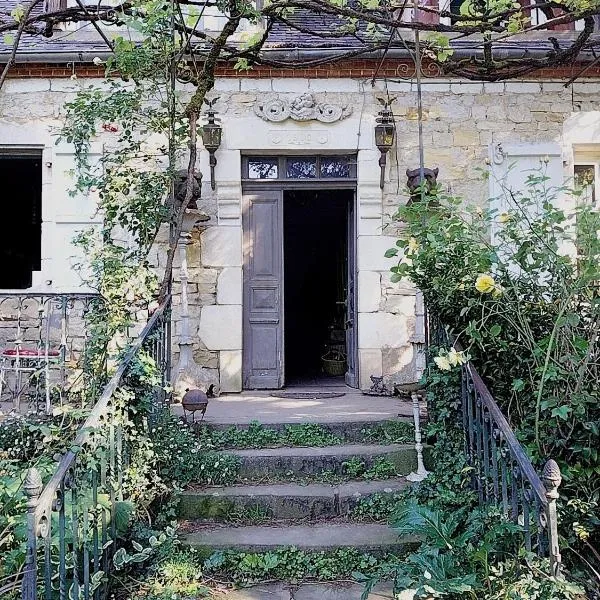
(391, 252)
(495, 330)
(561, 411)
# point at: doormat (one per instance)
(307, 395)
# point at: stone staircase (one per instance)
(301, 500)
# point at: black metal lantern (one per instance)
(211, 138)
(385, 135)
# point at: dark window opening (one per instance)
(21, 225)
(316, 281)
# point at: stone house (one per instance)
(291, 266)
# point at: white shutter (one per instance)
(510, 165)
(70, 215)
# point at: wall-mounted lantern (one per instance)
(385, 134)
(211, 137)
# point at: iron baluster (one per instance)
(526, 515)
(514, 486)
(62, 547)
(32, 488)
(486, 453)
(495, 476)
(96, 523)
(75, 535)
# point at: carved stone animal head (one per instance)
(181, 188)
(413, 181)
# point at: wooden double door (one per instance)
(264, 322)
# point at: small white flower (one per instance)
(74, 76)
(97, 61)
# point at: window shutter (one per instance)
(511, 164)
(69, 215)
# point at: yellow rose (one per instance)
(456, 358)
(442, 363)
(413, 245)
(504, 217)
(485, 283)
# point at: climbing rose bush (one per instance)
(526, 308)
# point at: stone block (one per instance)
(376, 330)
(295, 86)
(229, 286)
(369, 363)
(346, 86)
(222, 247)
(231, 370)
(369, 291)
(227, 84)
(24, 86)
(466, 88)
(221, 327)
(493, 88)
(256, 85)
(517, 87)
(466, 137)
(371, 252)
(400, 305)
(396, 360)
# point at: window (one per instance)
(586, 179)
(21, 224)
(293, 168)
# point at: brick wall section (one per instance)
(358, 69)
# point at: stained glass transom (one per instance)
(263, 168)
(335, 166)
(301, 168)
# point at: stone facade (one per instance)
(464, 124)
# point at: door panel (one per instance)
(263, 277)
(351, 303)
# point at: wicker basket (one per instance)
(333, 367)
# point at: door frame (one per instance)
(251, 186)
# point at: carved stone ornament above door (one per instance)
(301, 108)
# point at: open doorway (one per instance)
(315, 248)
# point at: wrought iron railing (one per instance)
(42, 341)
(71, 521)
(502, 472)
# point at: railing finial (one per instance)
(552, 479)
(32, 486)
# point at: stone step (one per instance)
(265, 463)
(283, 501)
(371, 538)
(316, 591)
(351, 431)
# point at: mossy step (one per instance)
(350, 431)
(265, 463)
(282, 501)
(316, 591)
(372, 538)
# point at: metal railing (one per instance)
(42, 341)
(71, 521)
(502, 472)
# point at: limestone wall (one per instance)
(463, 123)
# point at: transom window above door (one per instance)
(329, 167)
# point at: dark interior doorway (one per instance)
(21, 225)
(315, 227)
